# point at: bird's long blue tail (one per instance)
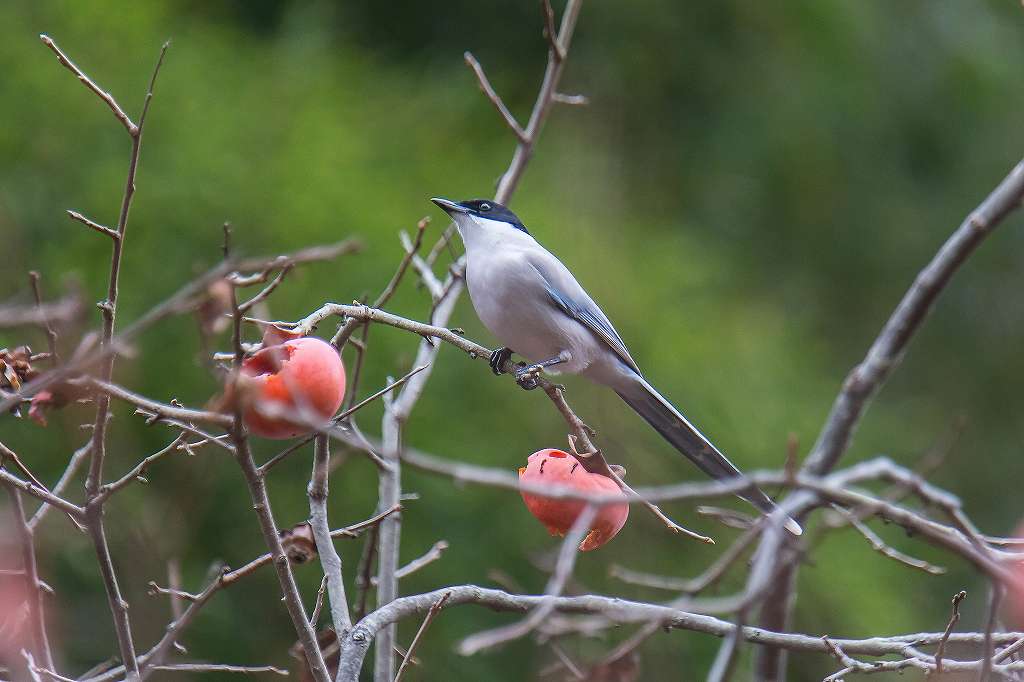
(684, 437)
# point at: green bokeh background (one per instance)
(748, 194)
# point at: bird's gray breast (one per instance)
(512, 300)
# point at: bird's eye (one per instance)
(485, 207)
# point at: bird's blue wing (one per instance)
(575, 302)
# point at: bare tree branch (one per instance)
(102, 229)
(33, 585)
(879, 546)
(953, 620)
(261, 505)
(556, 585)
(488, 89)
(221, 668)
(119, 114)
(14, 315)
(74, 463)
(139, 469)
(74, 510)
(51, 334)
(884, 355)
(181, 301)
(623, 611)
(329, 559)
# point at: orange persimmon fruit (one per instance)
(557, 468)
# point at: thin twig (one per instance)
(6, 454)
(314, 617)
(954, 618)
(542, 106)
(132, 129)
(346, 331)
(571, 100)
(70, 470)
(51, 334)
(557, 50)
(725, 660)
(438, 605)
(1009, 651)
(387, 389)
(174, 582)
(156, 410)
(33, 585)
(499, 105)
(363, 571)
(593, 460)
(556, 584)
(709, 577)
(352, 531)
(431, 555)
(883, 356)
(987, 650)
(221, 668)
(882, 548)
(102, 229)
(422, 268)
(48, 498)
(110, 488)
(266, 291)
(15, 315)
(403, 265)
(443, 242)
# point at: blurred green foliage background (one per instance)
(749, 192)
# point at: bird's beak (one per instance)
(450, 207)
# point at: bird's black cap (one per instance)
(484, 208)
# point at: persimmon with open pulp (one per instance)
(290, 385)
(556, 468)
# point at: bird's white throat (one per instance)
(483, 233)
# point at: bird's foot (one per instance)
(527, 377)
(499, 359)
